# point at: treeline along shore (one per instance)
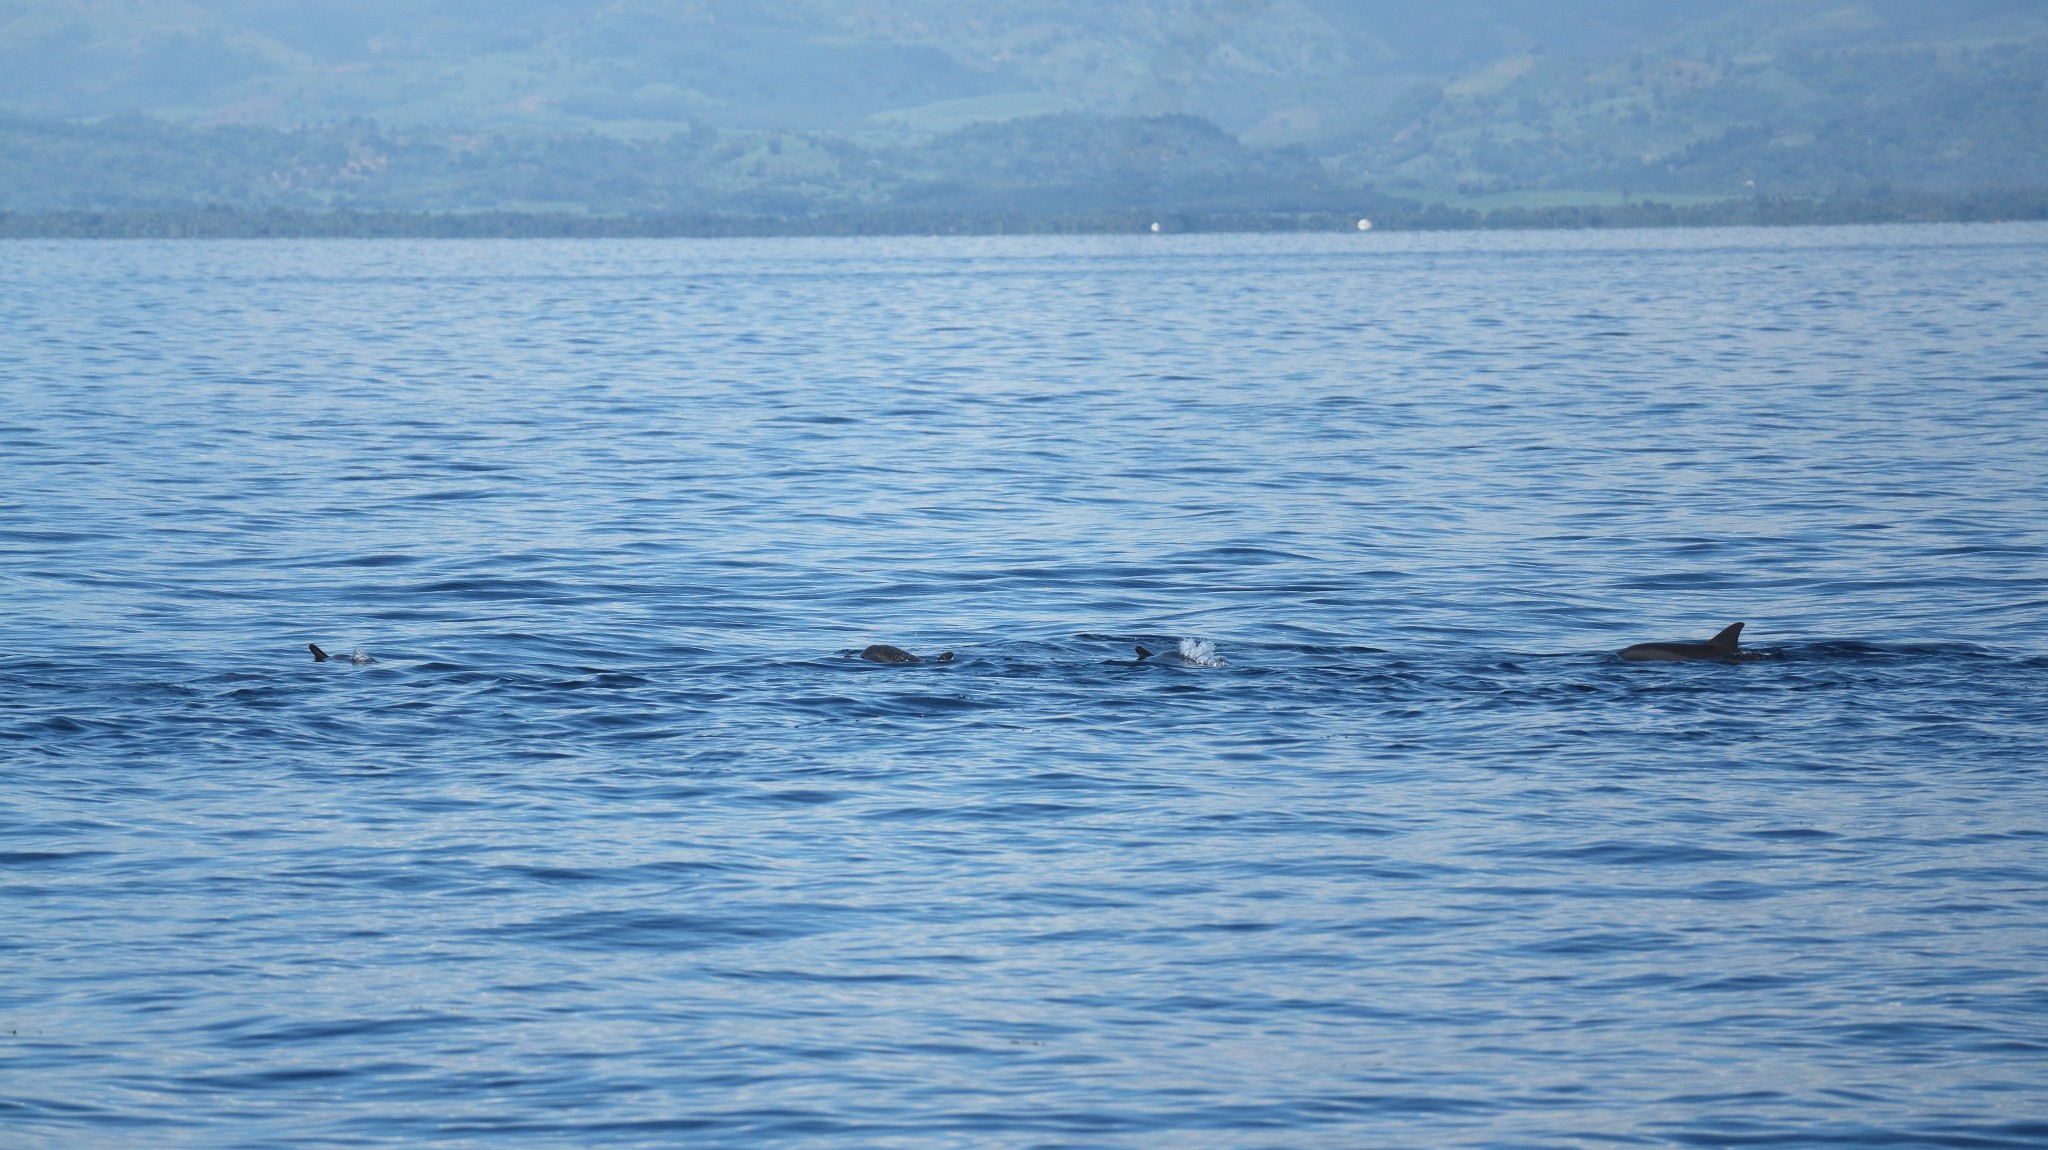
(282, 223)
(136, 176)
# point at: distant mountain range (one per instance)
(638, 66)
(795, 106)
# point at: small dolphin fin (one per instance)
(1728, 642)
(1143, 654)
(319, 656)
(945, 658)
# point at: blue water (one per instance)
(619, 843)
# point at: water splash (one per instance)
(1202, 653)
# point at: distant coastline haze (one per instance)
(792, 111)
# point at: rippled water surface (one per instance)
(619, 843)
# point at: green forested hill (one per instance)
(1829, 121)
(1061, 163)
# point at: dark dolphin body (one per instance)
(1190, 654)
(1722, 648)
(884, 653)
(319, 656)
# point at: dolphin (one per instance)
(884, 653)
(358, 659)
(1190, 652)
(1722, 648)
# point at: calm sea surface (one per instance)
(619, 843)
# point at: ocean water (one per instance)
(617, 842)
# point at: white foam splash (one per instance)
(1202, 653)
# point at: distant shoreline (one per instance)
(245, 223)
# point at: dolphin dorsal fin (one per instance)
(1728, 641)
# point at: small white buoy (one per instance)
(1365, 225)
(1155, 227)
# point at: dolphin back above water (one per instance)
(884, 653)
(1725, 647)
(358, 658)
(1189, 652)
